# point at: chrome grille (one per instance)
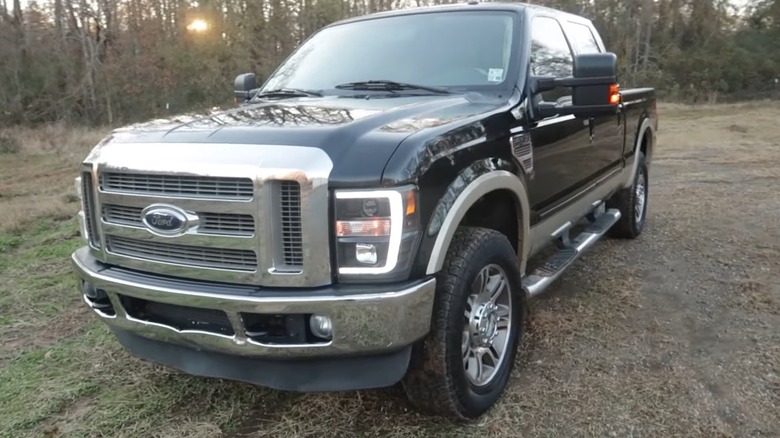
(249, 208)
(178, 185)
(205, 257)
(88, 193)
(210, 223)
(290, 219)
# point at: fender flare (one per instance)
(646, 126)
(481, 186)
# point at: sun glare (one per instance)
(198, 26)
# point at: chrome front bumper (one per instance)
(366, 319)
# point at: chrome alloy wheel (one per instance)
(640, 193)
(487, 324)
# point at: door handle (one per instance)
(591, 123)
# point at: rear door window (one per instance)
(582, 39)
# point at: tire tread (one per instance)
(623, 200)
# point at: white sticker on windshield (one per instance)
(495, 75)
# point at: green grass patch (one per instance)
(9, 242)
(36, 270)
(88, 385)
(42, 382)
(73, 378)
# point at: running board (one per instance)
(537, 281)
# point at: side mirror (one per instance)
(594, 87)
(600, 69)
(245, 87)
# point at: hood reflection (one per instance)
(266, 114)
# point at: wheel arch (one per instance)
(496, 182)
(645, 143)
(645, 139)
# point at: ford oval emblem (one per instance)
(165, 219)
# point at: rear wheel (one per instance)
(461, 369)
(632, 203)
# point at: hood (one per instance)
(359, 135)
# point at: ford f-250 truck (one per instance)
(366, 216)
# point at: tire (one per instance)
(442, 380)
(632, 203)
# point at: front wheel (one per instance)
(462, 367)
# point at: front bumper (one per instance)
(376, 320)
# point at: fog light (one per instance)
(366, 253)
(321, 326)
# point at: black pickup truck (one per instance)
(366, 216)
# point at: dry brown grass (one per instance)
(37, 181)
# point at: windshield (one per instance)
(445, 49)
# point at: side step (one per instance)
(543, 276)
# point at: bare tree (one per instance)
(111, 61)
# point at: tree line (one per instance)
(95, 62)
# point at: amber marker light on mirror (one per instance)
(614, 94)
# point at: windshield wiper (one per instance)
(288, 92)
(389, 86)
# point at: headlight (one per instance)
(375, 230)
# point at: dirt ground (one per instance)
(674, 334)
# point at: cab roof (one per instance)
(466, 6)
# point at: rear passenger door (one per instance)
(606, 131)
(563, 156)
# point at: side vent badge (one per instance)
(523, 151)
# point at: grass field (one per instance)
(674, 334)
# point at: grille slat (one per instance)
(219, 258)
(121, 214)
(241, 224)
(290, 217)
(210, 223)
(178, 185)
(88, 192)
